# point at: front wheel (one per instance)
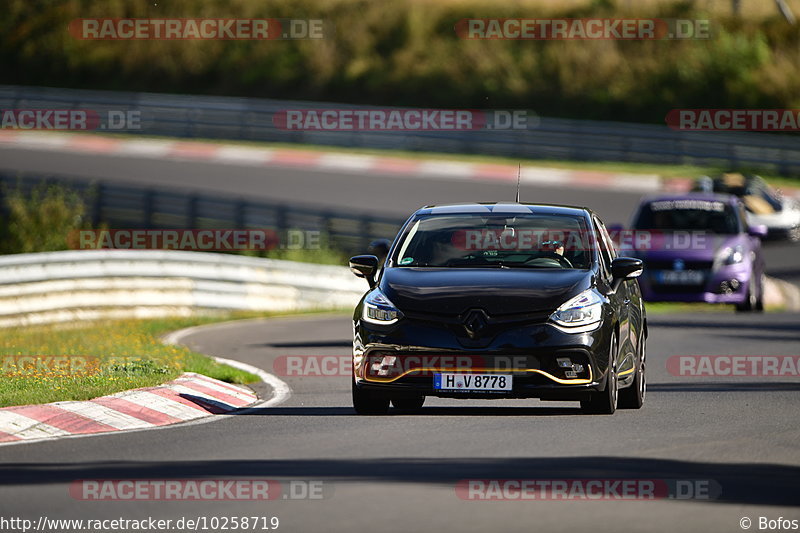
(760, 300)
(605, 402)
(751, 299)
(369, 402)
(633, 396)
(794, 234)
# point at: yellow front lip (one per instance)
(476, 370)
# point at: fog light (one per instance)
(735, 284)
(571, 369)
(382, 367)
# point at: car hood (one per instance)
(697, 247)
(498, 291)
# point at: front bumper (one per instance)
(783, 233)
(528, 352)
(726, 285)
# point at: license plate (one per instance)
(472, 382)
(681, 277)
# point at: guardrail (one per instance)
(120, 206)
(84, 285)
(551, 138)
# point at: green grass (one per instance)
(665, 308)
(107, 357)
(324, 255)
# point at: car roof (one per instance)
(709, 196)
(503, 208)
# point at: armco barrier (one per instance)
(547, 138)
(79, 285)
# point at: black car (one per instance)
(499, 300)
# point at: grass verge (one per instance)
(99, 358)
(667, 308)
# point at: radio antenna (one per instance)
(519, 171)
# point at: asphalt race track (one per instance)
(390, 195)
(398, 473)
(737, 436)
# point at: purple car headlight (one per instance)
(730, 256)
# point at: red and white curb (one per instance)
(230, 154)
(189, 397)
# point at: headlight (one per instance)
(580, 314)
(379, 310)
(731, 256)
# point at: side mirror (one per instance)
(759, 230)
(626, 268)
(364, 266)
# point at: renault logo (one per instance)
(475, 321)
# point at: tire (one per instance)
(794, 234)
(751, 301)
(369, 402)
(760, 300)
(409, 403)
(633, 396)
(605, 402)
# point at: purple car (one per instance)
(697, 247)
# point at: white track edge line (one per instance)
(280, 389)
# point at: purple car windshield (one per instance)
(688, 215)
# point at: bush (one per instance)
(405, 52)
(39, 221)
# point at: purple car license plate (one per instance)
(680, 277)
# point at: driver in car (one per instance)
(556, 247)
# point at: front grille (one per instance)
(533, 317)
(677, 289)
(670, 265)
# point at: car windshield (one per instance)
(506, 241)
(688, 215)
